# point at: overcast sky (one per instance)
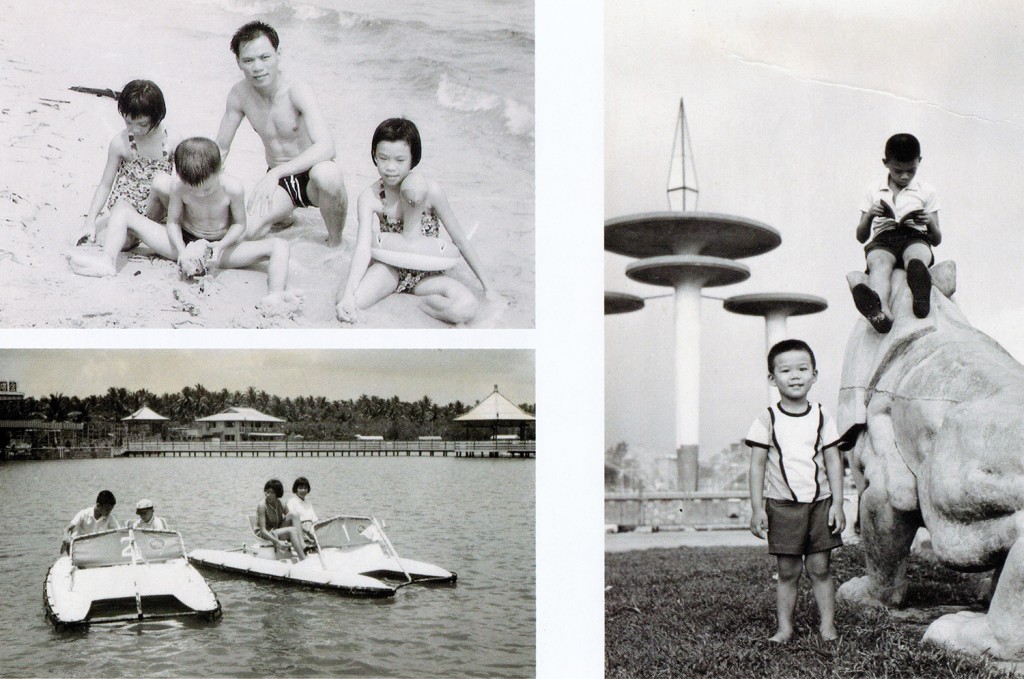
(443, 375)
(789, 105)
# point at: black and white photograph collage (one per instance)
(279, 351)
(304, 370)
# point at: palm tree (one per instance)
(56, 407)
(203, 403)
(114, 403)
(140, 398)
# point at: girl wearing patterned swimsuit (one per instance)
(396, 149)
(430, 226)
(135, 158)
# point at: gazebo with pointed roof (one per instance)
(496, 412)
(144, 414)
(142, 422)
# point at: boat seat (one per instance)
(263, 542)
(254, 528)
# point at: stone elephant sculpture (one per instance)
(934, 418)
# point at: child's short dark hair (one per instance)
(398, 129)
(196, 159)
(300, 482)
(106, 499)
(276, 486)
(902, 148)
(142, 98)
(789, 345)
(252, 31)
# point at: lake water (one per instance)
(474, 517)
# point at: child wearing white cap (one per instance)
(147, 520)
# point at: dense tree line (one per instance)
(313, 417)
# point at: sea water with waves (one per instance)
(462, 70)
(471, 516)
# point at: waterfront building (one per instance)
(240, 424)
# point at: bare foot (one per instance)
(828, 632)
(781, 637)
(286, 303)
(92, 264)
(454, 311)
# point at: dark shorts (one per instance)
(295, 185)
(895, 241)
(189, 237)
(799, 528)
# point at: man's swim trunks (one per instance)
(295, 185)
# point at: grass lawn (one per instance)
(708, 612)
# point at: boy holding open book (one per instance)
(900, 215)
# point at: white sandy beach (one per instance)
(54, 143)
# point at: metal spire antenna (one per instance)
(680, 165)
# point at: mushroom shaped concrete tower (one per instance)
(621, 303)
(688, 251)
(775, 307)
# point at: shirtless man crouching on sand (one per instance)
(297, 140)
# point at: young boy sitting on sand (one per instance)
(204, 204)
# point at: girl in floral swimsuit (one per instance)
(139, 159)
(430, 226)
(396, 149)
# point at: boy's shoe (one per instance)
(920, 283)
(869, 305)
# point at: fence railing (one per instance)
(242, 448)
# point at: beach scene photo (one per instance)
(269, 512)
(461, 72)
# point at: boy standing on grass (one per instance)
(795, 439)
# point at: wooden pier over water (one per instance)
(474, 449)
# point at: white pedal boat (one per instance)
(349, 554)
(126, 574)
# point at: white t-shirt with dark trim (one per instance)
(795, 443)
(916, 196)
